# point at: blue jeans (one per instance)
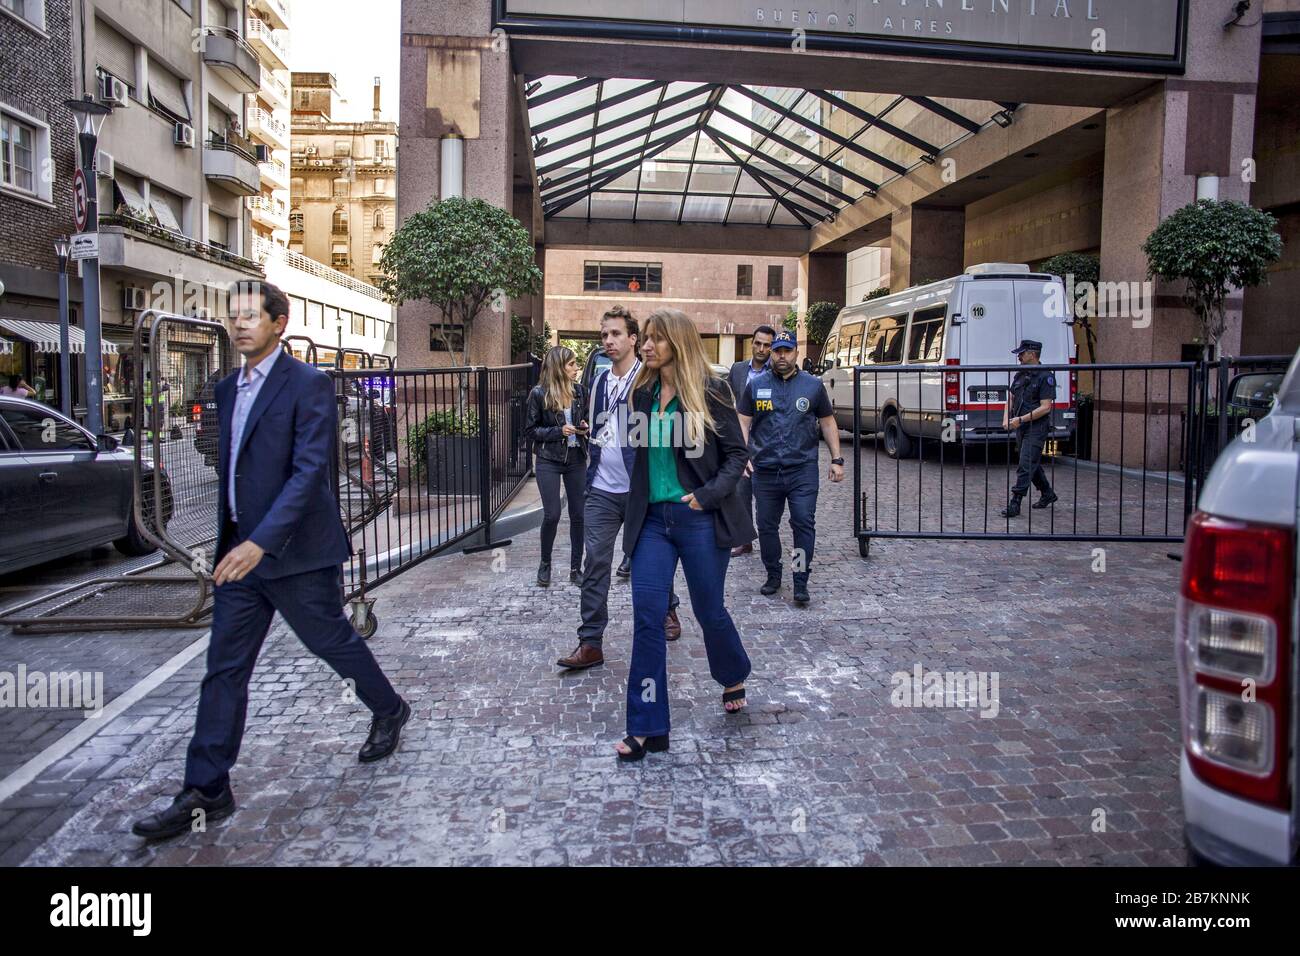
(673, 531)
(773, 490)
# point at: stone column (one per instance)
(456, 78)
(926, 244)
(1157, 146)
(823, 277)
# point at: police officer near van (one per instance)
(782, 412)
(1028, 413)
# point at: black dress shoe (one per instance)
(625, 567)
(771, 586)
(575, 575)
(544, 574)
(384, 734)
(801, 595)
(189, 807)
(1046, 501)
(1012, 510)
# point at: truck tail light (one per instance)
(1074, 384)
(952, 387)
(1233, 643)
(196, 413)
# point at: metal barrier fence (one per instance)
(1116, 473)
(173, 430)
(425, 461)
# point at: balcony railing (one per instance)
(277, 12)
(262, 37)
(274, 87)
(232, 167)
(261, 123)
(275, 173)
(269, 210)
(226, 52)
(178, 240)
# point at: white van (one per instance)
(973, 319)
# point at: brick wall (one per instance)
(37, 78)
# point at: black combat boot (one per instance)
(1012, 510)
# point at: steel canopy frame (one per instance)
(794, 191)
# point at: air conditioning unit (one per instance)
(112, 91)
(310, 150)
(134, 298)
(184, 135)
(104, 164)
(263, 153)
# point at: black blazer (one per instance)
(711, 476)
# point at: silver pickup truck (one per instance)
(1236, 636)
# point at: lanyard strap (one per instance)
(621, 396)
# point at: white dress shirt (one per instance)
(250, 383)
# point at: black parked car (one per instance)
(204, 415)
(61, 491)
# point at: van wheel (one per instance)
(897, 444)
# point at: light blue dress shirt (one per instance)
(250, 383)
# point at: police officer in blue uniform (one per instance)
(1029, 414)
(782, 411)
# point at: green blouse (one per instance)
(664, 485)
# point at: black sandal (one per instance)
(652, 745)
(729, 696)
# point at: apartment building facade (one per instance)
(344, 180)
(37, 160)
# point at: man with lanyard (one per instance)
(1029, 414)
(741, 374)
(608, 484)
(782, 412)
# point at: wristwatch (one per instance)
(838, 461)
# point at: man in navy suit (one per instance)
(280, 543)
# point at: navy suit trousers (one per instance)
(311, 604)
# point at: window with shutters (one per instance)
(218, 230)
(167, 93)
(115, 54)
(167, 207)
(379, 220)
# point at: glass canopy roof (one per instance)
(620, 149)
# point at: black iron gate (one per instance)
(1127, 453)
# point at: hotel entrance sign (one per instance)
(1145, 35)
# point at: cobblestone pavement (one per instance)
(507, 760)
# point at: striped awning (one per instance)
(45, 336)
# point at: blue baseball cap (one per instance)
(785, 340)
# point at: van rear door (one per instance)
(1036, 300)
(989, 334)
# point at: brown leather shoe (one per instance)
(587, 655)
(672, 626)
(743, 549)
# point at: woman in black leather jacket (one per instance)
(555, 422)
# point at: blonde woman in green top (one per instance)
(683, 506)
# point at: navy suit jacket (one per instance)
(284, 471)
(738, 378)
(599, 408)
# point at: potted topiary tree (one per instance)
(462, 256)
(1214, 247)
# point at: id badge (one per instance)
(605, 438)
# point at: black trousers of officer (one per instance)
(1031, 464)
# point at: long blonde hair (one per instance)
(691, 371)
(557, 385)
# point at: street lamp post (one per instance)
(90, 118)
(65, 359)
